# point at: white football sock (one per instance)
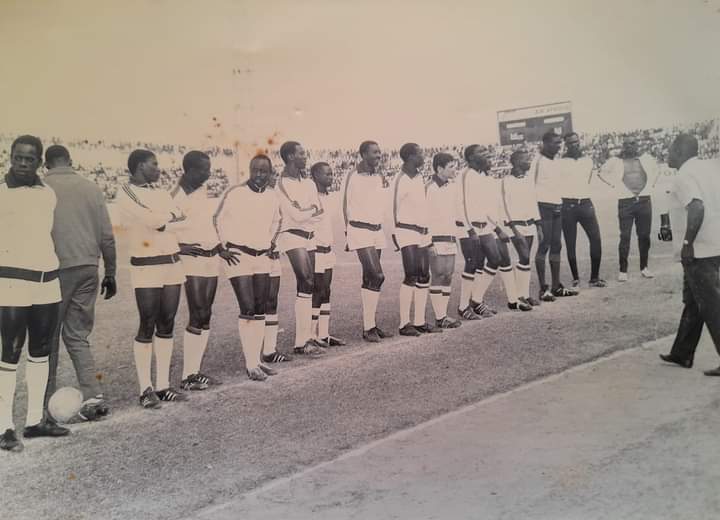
(522, 278)
(8, 379)
(438, 302)
(143, 361)
(314, 328)
(257, 333)
(270, 333)
(36, 377)
(508, 279)
(421, 295)
(466, 286)
(303, 318)
(483, 279)
(245, 328)
(163, 354)
(192, 352)
(446, 298)
(406, 298)
(369, 301)
(324, 321)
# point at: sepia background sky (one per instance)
(332, 72)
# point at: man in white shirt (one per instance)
(411, 237)
(322, 176)
(247, 221)
(363, 212)
(578, 208)
(633, 177)
(29, 289)
(156, 274)
(300, 211)
(694, 202)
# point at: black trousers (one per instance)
(701, 296)
(637, 211)
(581, 212)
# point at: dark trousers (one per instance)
(701, 296)
(551, 217)
(581, 212)
(79, 288)
(639, 212)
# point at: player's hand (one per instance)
(665, 234)
(108, 287)
(231, 257)
(472, 233)
(191, 250)
(502, 235)
(687, 254)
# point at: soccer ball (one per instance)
(65, 403)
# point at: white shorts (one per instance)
(248, 265)
(289, 241)
(359, 238)
(24, 293)
(524, 230)
(150, 276)
(408, 237)
(275, 267)
(205, 266)
(444, 248)
(324, 261)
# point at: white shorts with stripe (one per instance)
(156, 276)
(324, 261)
(204, 266)
(359, 238)
(288, 241)
(526, 230)
(24, 293)
(248, 265)
(408, 237)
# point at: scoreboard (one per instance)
(528, 124)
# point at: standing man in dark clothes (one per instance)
(82, 232)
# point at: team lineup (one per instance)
(178, 238)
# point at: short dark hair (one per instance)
(687, 144)
(440, 160)
(261, 157)
(315, 168)
(56, 152)
(570, 134)
(287, 149)
(365, 146)
(136, 157)
(407, 150)
(469, 150)
(193, 158)
(549, 136)
(32, 141)
(517, 153)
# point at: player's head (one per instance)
(551, 143)
(57, 156)
(520, 161)
(260, 171)
(26, 156)
(630, 147)
(444, 166)
(370, 153)
(143, 165)
(321, 173)
(478, 157)
(684, 147)
(572, 143)
(411, 154)
(292, 153)
(196, 167)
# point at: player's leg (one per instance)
(625, 221)
(487, 260)
(148, 301)
(546, 218)
(41, 323)
(373, 279)
(270, 353)
(569, 230)
(200, 294)
(507, 275)
(441, 271)
(303, 267)
(410, 261)
(68, 284)
(555, 252)
(326, 310)
(163, 343)
(589, 222)
(523, 247)
(643, 225)
(422, 287)
(244, 288)
(317, 303)
(261, 291)
(13, 330)
(467, 281)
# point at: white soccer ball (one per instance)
(65, 403)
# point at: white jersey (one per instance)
(364, 198)
(576, 174)
(151, 217)
(26, 222)
(519, 199)
(296, 197)
(442, 200)
(548, 179)
(330, 204)
(409, 201)
(199, 209)
(246, 217)
(482, 198)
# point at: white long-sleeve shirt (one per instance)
(247, 217)
(519, 198)
(26, 222)
(442, 200)
(409, 200)
(296, 197)
(576, 174)
(330, 203)
(364, 198)
(482, 198)
(548, 179)
(144, 210)
(199, 209)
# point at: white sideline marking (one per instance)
(361, 450)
